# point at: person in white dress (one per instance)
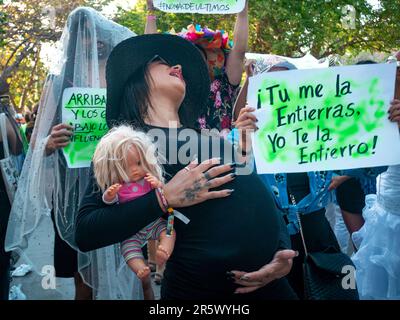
(377, 260)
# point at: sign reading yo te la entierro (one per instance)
(324, 119)
(85, 110)
(201, 6)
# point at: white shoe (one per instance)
(22, 270)
(16, 293)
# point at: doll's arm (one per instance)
(154, 182)
(110, 196)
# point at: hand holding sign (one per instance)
(249, 67)
(201, 6)
(60, 137)
(246, 124)
(150, 5)
(394, 111)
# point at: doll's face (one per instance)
(136, 171)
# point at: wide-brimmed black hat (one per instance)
(131, 54)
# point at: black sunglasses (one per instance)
(157, 58)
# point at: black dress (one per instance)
(65, 257)
(240, 232)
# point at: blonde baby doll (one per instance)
(126, 167)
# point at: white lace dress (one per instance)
(378, 258)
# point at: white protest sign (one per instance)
(85, 110)
(324, 119)
(201, 6)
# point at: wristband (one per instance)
(164, 201)
(169, 210)
(151, 17)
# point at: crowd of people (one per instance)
(203, 229)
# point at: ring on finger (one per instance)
(187, 168)
(207, 176)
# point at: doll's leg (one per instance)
(165, 247)
(158, 230)
(132, 251)
(139, 267)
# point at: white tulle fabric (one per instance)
(46, 183)
(378, 257)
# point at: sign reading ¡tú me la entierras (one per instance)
(324, 119)
(85, 110)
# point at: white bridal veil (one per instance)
(47, 184)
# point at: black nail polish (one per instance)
(230, 276)
(233, 175)
(233, 165)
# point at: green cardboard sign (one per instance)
(85, 110)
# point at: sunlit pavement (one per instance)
(31, 284)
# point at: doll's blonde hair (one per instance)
(110, 157)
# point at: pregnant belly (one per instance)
(237, 233)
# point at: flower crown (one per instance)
(207, 38)
(216, 41)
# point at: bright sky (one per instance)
(375, 3)
(112, 7)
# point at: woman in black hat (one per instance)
(160, 84)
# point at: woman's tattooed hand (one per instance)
(192, 184)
